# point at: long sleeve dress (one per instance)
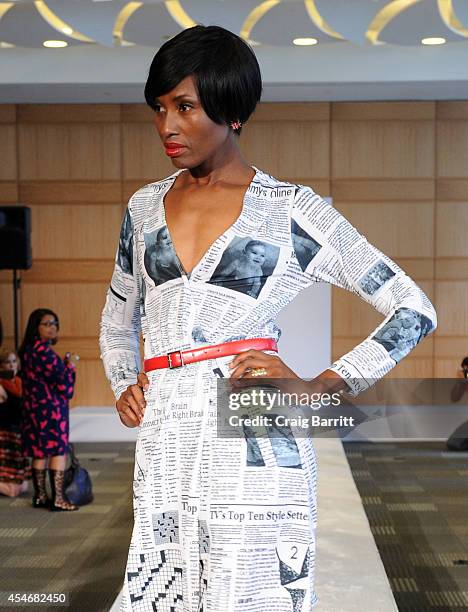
(48, 385)
(220, 525)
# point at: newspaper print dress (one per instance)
(218, 528)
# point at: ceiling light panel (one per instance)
(319, 21)
(93, 19)
(55, 44)
(121, 22)
(286, 21)
(350, 19)
(305, 42)
(23, 26)
(418, 21)
(179, 14)
(255, 15)
(220, 12)
(57, 23)
(268, 22)
(451, 18)
(433, 41)
(150, 25)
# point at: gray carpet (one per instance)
(82, 553)
(416, 499)
(415, 496)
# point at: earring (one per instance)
(236, 125)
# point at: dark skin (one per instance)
(204, 201)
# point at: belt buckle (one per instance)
(172, 367)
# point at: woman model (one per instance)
(48, 384)
(14, 468)
(215, 532)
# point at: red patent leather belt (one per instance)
(176, 359)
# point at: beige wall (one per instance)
(397, 170)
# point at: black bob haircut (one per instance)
(225, 69)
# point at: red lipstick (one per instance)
(174, 149)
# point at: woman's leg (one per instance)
(10, 489)
(38, 469)
(57, 462)
(56, 474)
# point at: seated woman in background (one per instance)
(14, 467)
(48, 384)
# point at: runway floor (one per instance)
(413, 496)
(82, 553)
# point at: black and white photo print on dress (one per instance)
(305, 246)
(125, 250)
(245, 266)
(160, 259)
(376, 277)
(403, 332)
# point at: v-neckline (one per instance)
(216, 240)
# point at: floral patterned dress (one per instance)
(48, 386)
(14, 468)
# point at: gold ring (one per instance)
(258, 372)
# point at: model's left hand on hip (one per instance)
(253, 364)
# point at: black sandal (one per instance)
(40, 498)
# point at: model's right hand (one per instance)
(131, 404)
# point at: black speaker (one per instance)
(15, 238)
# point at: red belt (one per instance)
(176, 359)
